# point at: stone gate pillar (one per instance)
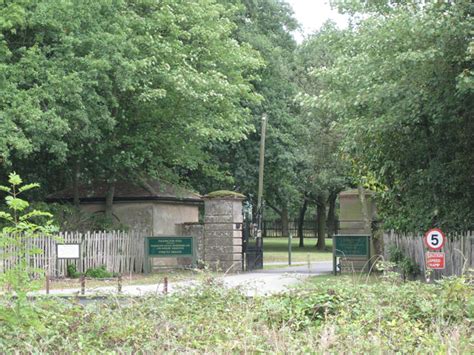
(223, 221)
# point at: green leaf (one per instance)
(16, 204)
(14, 179)
(35, 213)
(6, 216)
(28, 187)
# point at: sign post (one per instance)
(434, 239)
(68, 251)
(290, 237)
(169, 247)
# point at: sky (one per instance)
(311, 14)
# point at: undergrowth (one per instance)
(330, 316)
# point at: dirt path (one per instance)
(261, 282)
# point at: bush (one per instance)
(72, 271)
(406, 266)
(98, 273)
(20, 226)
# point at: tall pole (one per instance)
(260, 179)
(261, 162)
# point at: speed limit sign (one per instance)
(434, 239)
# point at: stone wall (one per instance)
(154, 218)
(197, 231)
(137, 216)
(351, 217)
(223, 233)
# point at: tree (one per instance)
(267, 26)
(16, 237)
(398, 92)
(324, 173)
(125, 89)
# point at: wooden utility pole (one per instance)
(261, 163)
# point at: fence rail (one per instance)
(118, 251)
(459, 249)
(275, 228)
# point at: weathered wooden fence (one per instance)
(118, 251)
(459, 249)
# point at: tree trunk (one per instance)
(75, 184)
(377, 235)
(301, 222)
(331, 220)
(109, 201)
(370, 222)
(284, 221)
(365, 208)
(321, 219)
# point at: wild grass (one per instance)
(329, 315)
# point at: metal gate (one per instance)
(252, 247)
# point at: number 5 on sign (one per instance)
(434, 239)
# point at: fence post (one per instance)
(289, 248)
(83, 284)
(47, 283)
(165, 286)
(119, 283)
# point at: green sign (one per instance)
(356, 245)
(170, 246)
(351, 245)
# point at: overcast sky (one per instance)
(311, 14)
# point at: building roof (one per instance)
(125, 191)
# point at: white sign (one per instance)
(68, 251)
(434, 239)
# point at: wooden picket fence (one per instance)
(119, 251)
(459, 249)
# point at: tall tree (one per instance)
(267, 26)
(125, 88)
(324, 172)
(402, 93)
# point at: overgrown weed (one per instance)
(335, 315)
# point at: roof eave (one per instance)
(130, 199)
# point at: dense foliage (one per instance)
(174, 89)
(266, 25)
(100, 89)
(332, 316)
(401, 90)
(20, 226)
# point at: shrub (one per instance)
(72, 271)
(332, 316)
(406, 266)
(98, 273)
(22, 226)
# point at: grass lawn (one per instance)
(276, 250)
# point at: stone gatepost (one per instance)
(223, 221)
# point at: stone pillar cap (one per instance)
(224, 195)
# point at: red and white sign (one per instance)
(435, 260)
(434, 239)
